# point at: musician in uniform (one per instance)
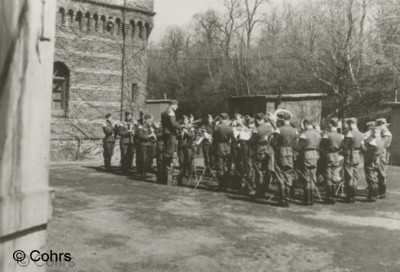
(126, 132)
(170, 131)
(208, 153)
(351, 152)
(222, 138)
(186, 146)
(385, 156)
(261, 152)
(308, 145)
(331, 145)
(373, 149)
(108, 141)
(146, 137)
(240, 152)
(370, 127)
(159, 150)
(283, 143)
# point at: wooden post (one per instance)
(26, 67)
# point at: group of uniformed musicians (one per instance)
(249, 154)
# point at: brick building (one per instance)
(100, 67)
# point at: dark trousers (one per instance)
(169, 145)
(223, 162)
(168, 155)
(108, 151)
(371, 168)
(308, 176)
(159, 157)
(208, 155)
(127, 154)
(261, 167)
(144, 158)
(186, 157)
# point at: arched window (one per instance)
(96, 22)
(103, 24)
(132, 24)
(88, 21)
(119, 26)
(70, 17)
(140, 26)
(79, 18)
(62, 16)
(60, 89)
(110, 26)
(148, 30)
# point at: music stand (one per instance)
(340, 186)
(213, 176)
(317, 190)
(194, 169)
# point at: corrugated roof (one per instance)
(274, 97)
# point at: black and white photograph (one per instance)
(200, 135)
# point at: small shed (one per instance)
(156, 107)
(306, 105)
(395, 129)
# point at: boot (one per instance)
(306, 196)
(311, 197)
(382, 191)
(353, 194)
(292, 193)
(349, 194)
(328, 194)
(287, 192)
(372, 194)
(332, 191)
(282, 201)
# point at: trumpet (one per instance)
(152, 132)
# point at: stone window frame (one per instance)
(61, 74)
(134, 91)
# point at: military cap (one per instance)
(307, 122)
(127, 113)
(259, 116)
(334, 121)
(381, 121)
(147, 116)
(351, 120)
(224, 116)
(284, 115)
(371, 124)
(174, 102)
(108, 115)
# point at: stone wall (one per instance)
(103, 45)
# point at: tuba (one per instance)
(274, 117)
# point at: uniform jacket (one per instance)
(209, 128)
(144, 135)
(109, 131)
(169, 123)
(261, 135)
(308, 146)
(352, 144)
(126, 137)
(187, 139)
(222, 137)
(331, 145)
(283, 141)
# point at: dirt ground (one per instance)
(109, 222)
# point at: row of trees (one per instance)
(348, 49)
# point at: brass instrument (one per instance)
(152, 132)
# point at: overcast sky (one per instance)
(178, 12)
